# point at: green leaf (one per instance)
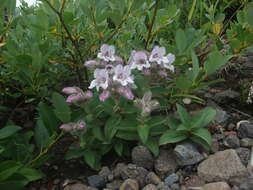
(31, 174)
(203, 134)
(118, 147)
(195, 66)
(173, 123)
(249, 14)
(203, 117)
(111, 126)
(153, 146)
(8, 130)
(215, 61)
(181, 40)
(97, 132)
(143, 132)
(127, 135)
(8, 168)
(200, 141)
(155, 121)
(41, 135)
(48, 117)
(92, 158)
(62, 109)
(74, 153)
(172, 136)
(184, 116)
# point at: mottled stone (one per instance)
(221, 166)
(78, 186)
(187, 154)
(171, 179)
(129, 184)
(96, 181)
(165, 164)
(216, 186)
(142, 157)
(232, 141)
(244, 155)
(152, 178)
(114, 185)
(245, 130)
(150, 187)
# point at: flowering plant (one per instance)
(119, 103)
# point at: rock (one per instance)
(120, 167)
(162, 186)
(221, 117)
(244, 155)
(215, 146)
(152, 178)
(225, 95)
(165, 164)
(105, 172)
(245, 130)
(232, 141)
(221, 166)
(78, 186)
(187, 154)
(243, 183)
(134, 172)
(231, 126)
(129, 184)
(175, 186)
(114, 185)
(171, 179)
(216, 186)
(150, 187)
(246, 142)
(194, 181)
(96, 181)
(142, 157)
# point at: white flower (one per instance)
(107, 53)
(168, 64)
(158, 56)
(139, 60)
(101, 79)
(123, 75)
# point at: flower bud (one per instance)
(90, 63)
(71, 90)
(104, 95)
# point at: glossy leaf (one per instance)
(8, 131)
(172, 136)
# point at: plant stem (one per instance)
(152, 24)
(73, 41)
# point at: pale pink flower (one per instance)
(101, 79)
(122, 75)
(139, 60)
(126, 92)
(107, 53)
(104, 95)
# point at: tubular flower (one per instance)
(107, 53)
(104, 95)
(73, 127)
(126, 92)
(146, 105)
(101, 79)
(139, 60)
(76, 94)
(122, 75)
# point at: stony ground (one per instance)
(184, 166)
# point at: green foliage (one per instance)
(189, 127)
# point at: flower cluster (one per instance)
(76, 94)
(111, 78)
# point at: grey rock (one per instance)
(96, 181)
(162, 186)
(187, 154)
(217, 186)
(232, 141)
(244, 155)
(165, 164)
(175, 186)
(221, 117)
(129, 184)
(78, 186)
(152, 178)
(120, 167)
(231, 126)
(245, 130)
(114, 185)
(150, 187)
(243, 183)
(215, 146)
(142, 157)
(134, 172)
(225, 95)
(171, 179)
(221, 166)
(246, 142)
(105, 172)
